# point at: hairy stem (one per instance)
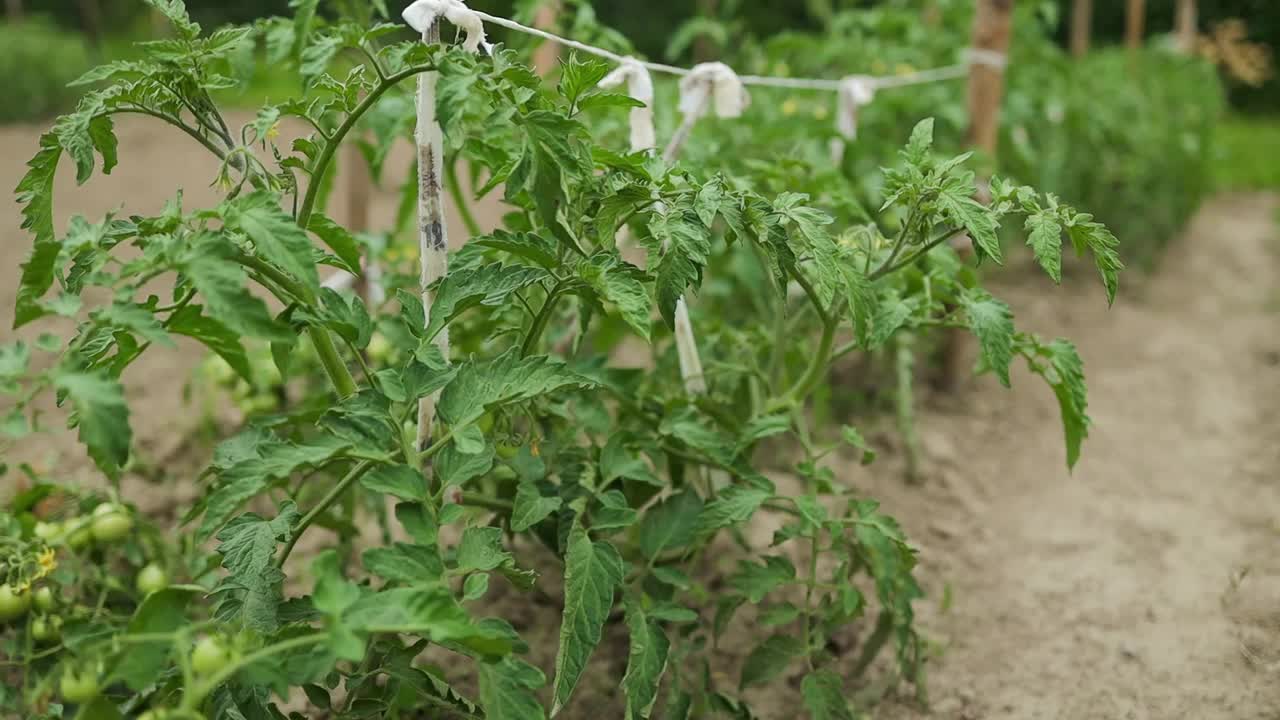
(460, 200)
(330, 498)
(540, 321)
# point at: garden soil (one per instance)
(1143, 586)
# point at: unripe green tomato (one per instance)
(111, 523)
(219, 370)
(44, 600)
(152, 578)
(47, 531)
(209, 656)
(485, 423)
(46, 629)
(160, 714)
(507, 452)
(78, 687)
(13, 604)
(379, 348)
(79, 532)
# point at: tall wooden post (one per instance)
(1186, 27)
(1135, 24)
(547, 55)
(13, 10)
(992, 26)
(992, 29)
(1081, 26)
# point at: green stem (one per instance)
(489, 503)
(817, 366)
(222, 155)
(460, 200)
(889, 266)
(331, 497)
(540, 322)
(812, 295)
(332, 362)
(194, 697)
(331, 146)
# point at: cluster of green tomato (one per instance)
(209, 656)
(108, 524)
(261, 396)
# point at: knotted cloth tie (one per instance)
(422, 14)
(717, 82)
(640, 87)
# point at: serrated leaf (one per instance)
(593, 571)
(339, 239)
(671, 524)
(210, 265)
(992, 322)
(491, 285)
(755, 580)
(481, 549)
(411, 564)
(35, 194)
(507, 690)
(824, 696)
(251, 591)
(160, 612)
(1044, 236)
(976, 219)
(275, 235)
(1105, 248)
(400, 481)
(531, 507)
(214, 335)
(508, 378)
(646, 661)
(734, 506)
(102, 415)
(621, 284)
(250, 476)
(769, 659)
(1065, 375)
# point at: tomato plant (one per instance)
(553, 468)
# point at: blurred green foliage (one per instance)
(37, 60)
(1247, 150)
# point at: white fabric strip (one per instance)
(422, 14)
(640, 87)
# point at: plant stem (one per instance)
(489, 503)
(331, 497)
(460, 200)
(194, 697)
(889, 267)
(817, 367)
(905, 364)
(540, 322)
(331, 145)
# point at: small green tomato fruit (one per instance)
(209, 656)
(13, 604)
(152, 578)
(78, 686)
(111, 523)
(46, 629)
(44, 600)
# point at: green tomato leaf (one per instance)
(769, 659)
(824, 696)
(593, 571)
(992, 322)
(508, 378)
(102, 415)
(646, 661)
(275, 235)
(507, 690)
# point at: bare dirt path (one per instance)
(1115, 592)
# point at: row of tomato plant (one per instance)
(555, 468)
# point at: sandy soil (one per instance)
(1143, 586)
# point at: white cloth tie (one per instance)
(422, 14)
(640, 87)
(718, 82)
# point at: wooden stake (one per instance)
(547, 56)
(1186, 27)
(1081, 26)
(13, 10)
(992, 28)
(703, 49)
(433, 236)
(1135, 24)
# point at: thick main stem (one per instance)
(433, 237)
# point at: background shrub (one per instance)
(37, 60)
